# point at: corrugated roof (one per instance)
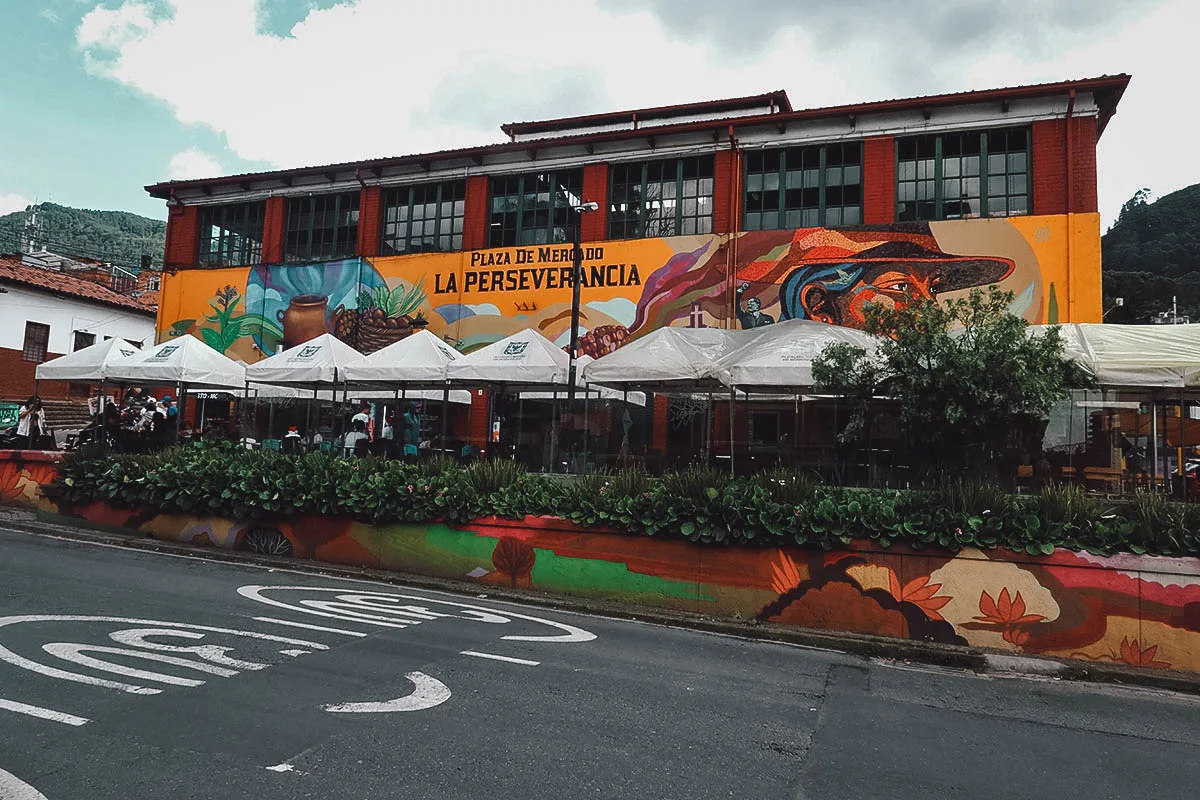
(65, 285)
(1108, 88)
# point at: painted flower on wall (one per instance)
(514, 558)
(1133, 654)
(1007, 614)
(921, 593)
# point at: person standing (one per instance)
(31, 423)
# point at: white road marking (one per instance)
(289, 623)
(379, 608)
(138, 637)
(15, 659)
(430, 692)
(41, 713)
(69, 651)
(284, 767)
(294, 653)
(13, 788)
(495, 657)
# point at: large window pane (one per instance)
(429, 217)
(962, 174)
(821, 186)
(662, 198)
(231, 235)
(322, 227)
(534, 208)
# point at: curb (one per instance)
(979, 660)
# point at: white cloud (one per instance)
(12, 202)
(377, 77)
(193, 163)
(367, 78)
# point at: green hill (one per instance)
(116, 236)
(1151, 253)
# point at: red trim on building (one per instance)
(370, 218)
(724, 199)
(274, 229)
(476, 219)
(594, 224)
(777, 99)
(879, 180)
(1049, 169)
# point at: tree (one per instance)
(966, 378)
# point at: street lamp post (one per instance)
(576, 282)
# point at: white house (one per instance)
(44, 313)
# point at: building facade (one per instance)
(44, 314)
(728, 213)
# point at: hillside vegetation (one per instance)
(1151, 253)
(116, 236)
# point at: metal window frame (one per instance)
(519, 229)
(218, 216)
(781, 211)
(408, 190)
(984, 195)
(641, 218)
(353, 206)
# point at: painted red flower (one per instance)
(920, 592)
(1131, 653)
(1008, 614)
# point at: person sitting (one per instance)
(290, 444)
(358, 433)
(31, 424)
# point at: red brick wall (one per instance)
(1050, 166)
(183, 236)
(879, 180)
(595, 188)
(370, 217)
(274, 230)
(727, 199)
(659, 430)
(19, 378)
(476, 219)
(479, 431)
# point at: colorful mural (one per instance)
(1137, 610)
(21, 475)
(632, 287)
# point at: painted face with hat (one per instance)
(839, 290)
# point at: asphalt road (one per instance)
(114, 685)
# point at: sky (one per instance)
(98, 99)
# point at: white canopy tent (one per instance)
(1134, 356)
(89, 364)
(524, 360)
(780, 357)
(667, 360)
(417, 359)
(319, 361)
(185, 361)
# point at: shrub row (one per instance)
(700, 505)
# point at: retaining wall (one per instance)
(1138, 610)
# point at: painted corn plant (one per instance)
(228, 326)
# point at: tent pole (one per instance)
(796, 433)
(1182, 447)
(708, 431)
(180, 411)
(586, 392)
(445, 413)
(103, 425)
(520, 424)
(1154, 440)
(732, 400)
(555, 422)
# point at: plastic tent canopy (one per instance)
(185, 360)
(89, 364)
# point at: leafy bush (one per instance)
(701, 505)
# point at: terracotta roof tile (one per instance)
(64, 285)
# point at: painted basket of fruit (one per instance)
(383, 316)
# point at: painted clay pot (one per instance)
(303, 319)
